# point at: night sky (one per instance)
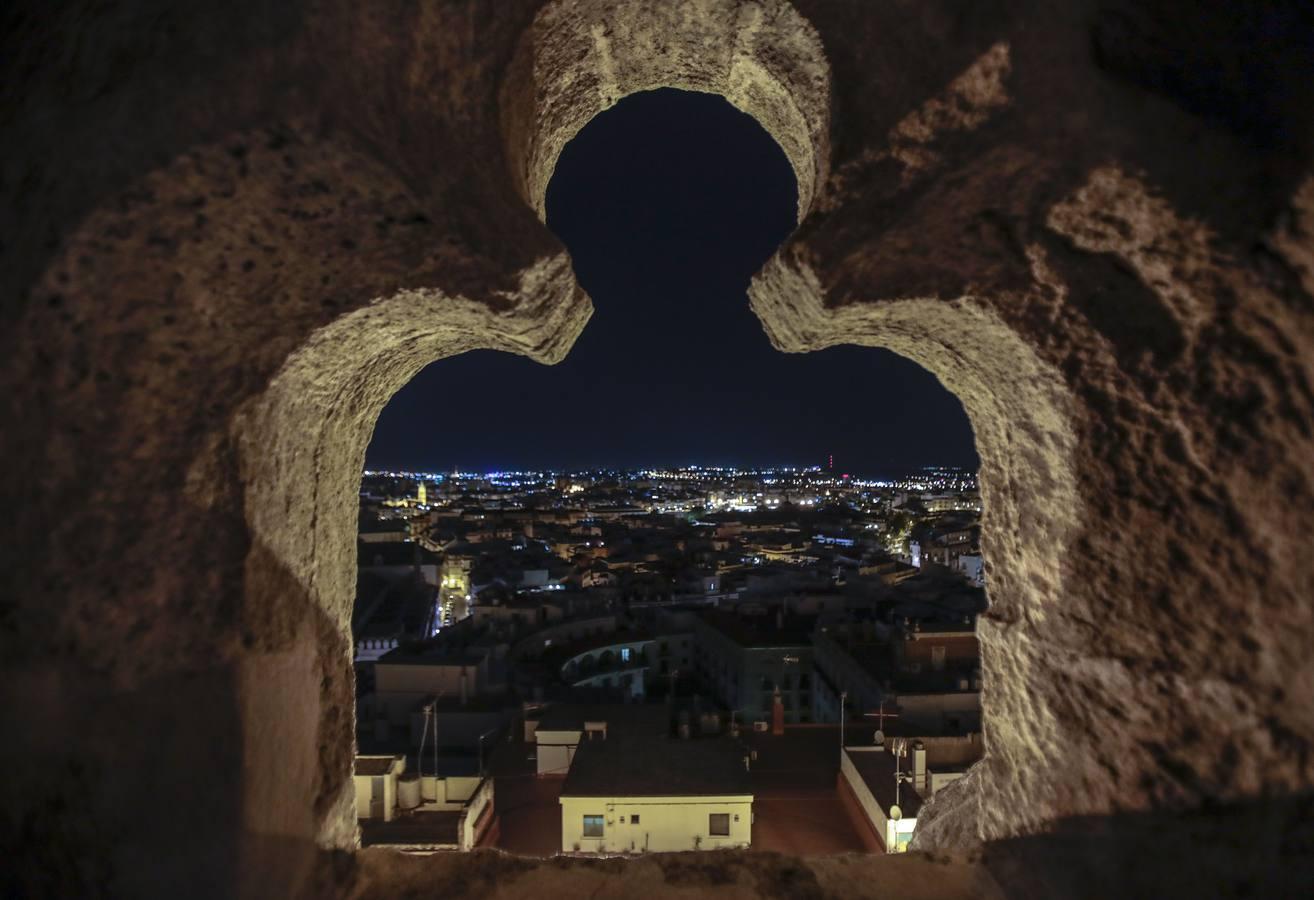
(669, 202)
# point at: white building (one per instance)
(417, 814)
(902, 773)
(404, 681)
(375, 779)
(647, 793)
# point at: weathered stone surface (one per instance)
(580, 57)
(720, 873)
(231, 232)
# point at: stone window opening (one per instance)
(795, 708)
(1096, 244)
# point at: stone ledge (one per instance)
(723, 874)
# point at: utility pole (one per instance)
(481, 749)
(844, 695)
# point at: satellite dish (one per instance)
(895, 813)
(879, 737)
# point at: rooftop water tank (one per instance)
(408, 791)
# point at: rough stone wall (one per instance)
(1120, 306)
(580, 57)
(230, 233)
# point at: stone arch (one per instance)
(1021, 415)
(578, 59)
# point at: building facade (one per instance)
(745, 665)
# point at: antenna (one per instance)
(899, 749)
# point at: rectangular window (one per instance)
(718, 824)
(634, 819)
(593, 826)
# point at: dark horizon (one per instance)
(669, 203)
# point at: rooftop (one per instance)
(375, 765)
(640, 720)
(760, 631)
(632, 766)
(876, 768)
(402, 656)
(421, 829)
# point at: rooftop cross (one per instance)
(881, 715)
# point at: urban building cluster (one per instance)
(694, 658)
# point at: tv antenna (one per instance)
(900, 749)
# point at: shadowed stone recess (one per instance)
(211, 286)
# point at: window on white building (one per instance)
(718, 824)
(593, 826)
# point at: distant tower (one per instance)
(421, 494)
(831, 466)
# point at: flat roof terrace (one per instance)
(419, 829)
(876, 767)
(633, 766)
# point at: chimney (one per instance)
(777, 714)
(919, 768)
